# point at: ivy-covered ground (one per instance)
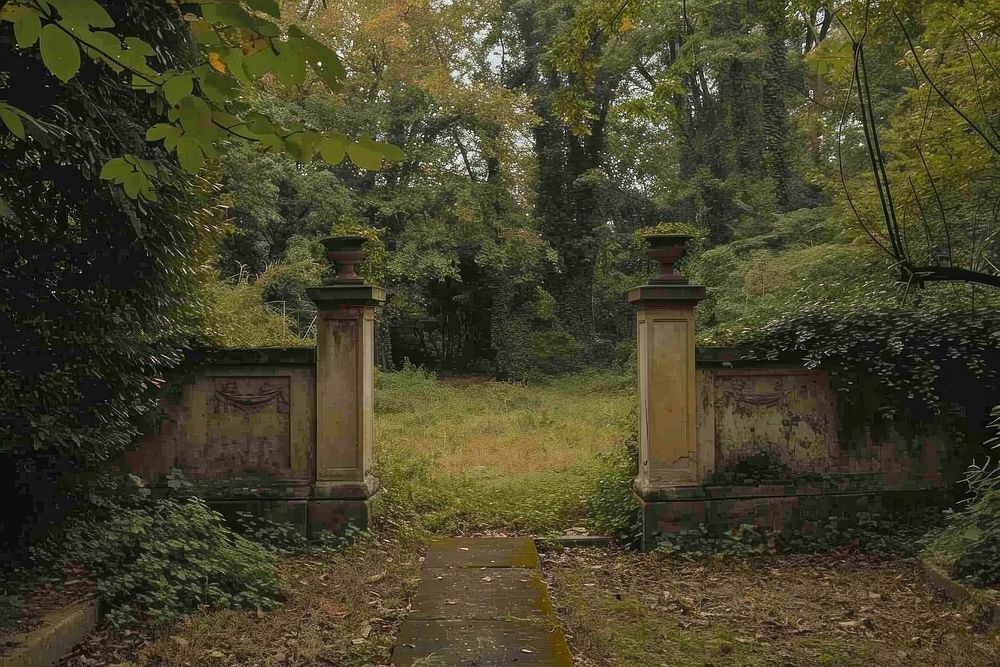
(624, 609)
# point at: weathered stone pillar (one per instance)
(669, 466)
(345, 368)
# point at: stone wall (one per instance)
(240, 425)
(774, 449)
(235, 414)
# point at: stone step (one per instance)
(482, 602)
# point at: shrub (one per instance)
(970, 541)
(611, 504)
(236, 316)
(526, 353)
(284, 538)
(154, 559)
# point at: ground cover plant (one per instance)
(842, 608)
(969, 544)
(153, 559)
(340, 608)
(470, 455)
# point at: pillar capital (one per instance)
(337, 296)
(663, 296)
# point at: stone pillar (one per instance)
(345, 368)
(669, 466)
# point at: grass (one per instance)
(485, 456)
(625, 609)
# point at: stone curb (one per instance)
(594, 541)
(987, 604)
(59, 632)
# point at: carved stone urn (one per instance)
(345, 252)
(667, 250)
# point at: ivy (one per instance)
(917, 354)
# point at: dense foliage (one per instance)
(154, 559)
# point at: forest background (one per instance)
(540, 136)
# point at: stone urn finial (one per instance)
(345, 252)
(667, 250)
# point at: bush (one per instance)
(528, 354)
(284, 538)
(611, 505)
(154, 559)
(970, 541)
(237, 317)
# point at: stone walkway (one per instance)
(481, 603)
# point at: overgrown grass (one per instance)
(460, 457)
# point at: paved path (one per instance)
(481, 603)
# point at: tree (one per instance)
(200, 100)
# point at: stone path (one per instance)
(481, 603)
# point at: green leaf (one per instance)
(289, 66)
(140, 47)
(189, 154)
(110, 47)
(270, 142)
(12, 121)
(27, 24)
(258, 123)
(232, 15)
(161, 131)
(133, 182)
(216, 87)
(266, 6)
(11, 12)
(177, 88)
(365, 153)
(260, 62)
(60, 54)
(115, 170)
(195, 115)
(390, 152)
(87, 12)
(332, 148)
(204, 34)
(139, 83)
(321, 58)
(302, 145)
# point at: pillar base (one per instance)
(335, 505)
(335, 515)
(345, 490)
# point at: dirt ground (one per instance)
(631, 610)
